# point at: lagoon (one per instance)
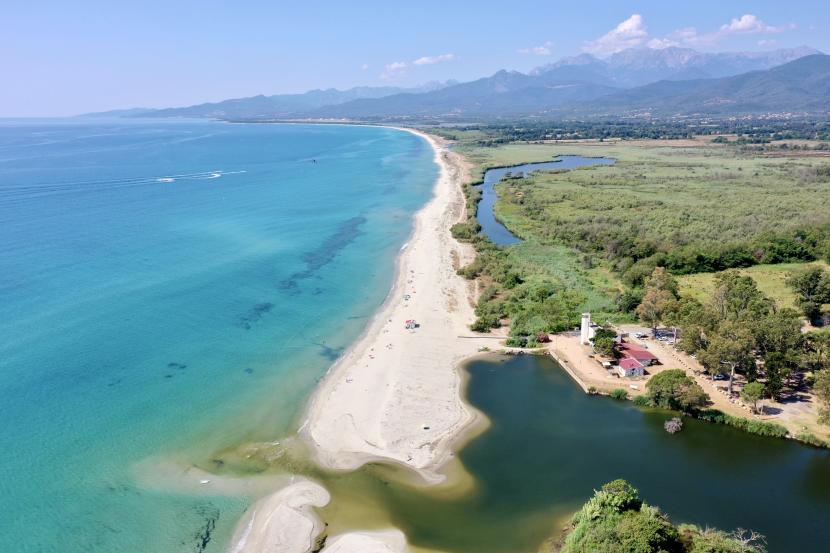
(490, 226)
(550, 445)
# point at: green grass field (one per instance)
(672, 196)
(771, 280)
(560, 264)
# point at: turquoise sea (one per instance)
(170, 289)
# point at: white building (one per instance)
(587, 330)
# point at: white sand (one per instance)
(282, 522)
(395, 395)
(381, 541)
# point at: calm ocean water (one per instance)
(170, 289)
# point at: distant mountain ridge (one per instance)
(575, 89)
(800, 86)
(281, 105)
(640, 66)
(637, 81)
(507, 93)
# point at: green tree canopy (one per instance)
(812, 286)
(616, 520)
(674, 389)
(729, 350)
(752, 393)
(822, 390)
(737, 296)
(817, 350)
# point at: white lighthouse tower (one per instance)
(585, 330)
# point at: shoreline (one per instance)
(396, 395)
(407, 407)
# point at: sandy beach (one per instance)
(396, 394)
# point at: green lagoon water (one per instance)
(550, 445)
(172, 289)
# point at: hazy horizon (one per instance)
(69, 60)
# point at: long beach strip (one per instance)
(396, 394)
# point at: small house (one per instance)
(642, 356)
(629, 368)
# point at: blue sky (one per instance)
(63, 58)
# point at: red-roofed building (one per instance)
(642, 356)
(629, 367)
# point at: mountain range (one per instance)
(640, 66)
(276, 106)
(634, 82)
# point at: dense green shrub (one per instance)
(618, 393)
(517, 342)
(485, 323)
(641, 401)
(674, 389)
(811, 439)
(616, 520)
(760, 428)
(466, 230)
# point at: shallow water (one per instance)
(170, 289)
(490, 226)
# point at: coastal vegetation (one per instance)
(732, 131)
(617, 520)
(690, 210)
(726, 245)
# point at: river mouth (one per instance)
(550, 445)
(490, 226)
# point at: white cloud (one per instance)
(541, 50)
(429, 60)
(393, 69)
(365, 66)
(661, 43)
(767, 42)
(628, 34)
(747, 24)
(397, 68)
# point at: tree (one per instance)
(605, 342)
(777, 370)
(812, 286)
(817, 350)
(778, 332)
(753, 392)
(653, 305)
(660, 293)
(731, 348)
(693, 339)
(737, 296)
(674, 389)
(661, 279)
(821, 388)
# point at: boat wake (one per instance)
(206, 175)
(53, 188)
